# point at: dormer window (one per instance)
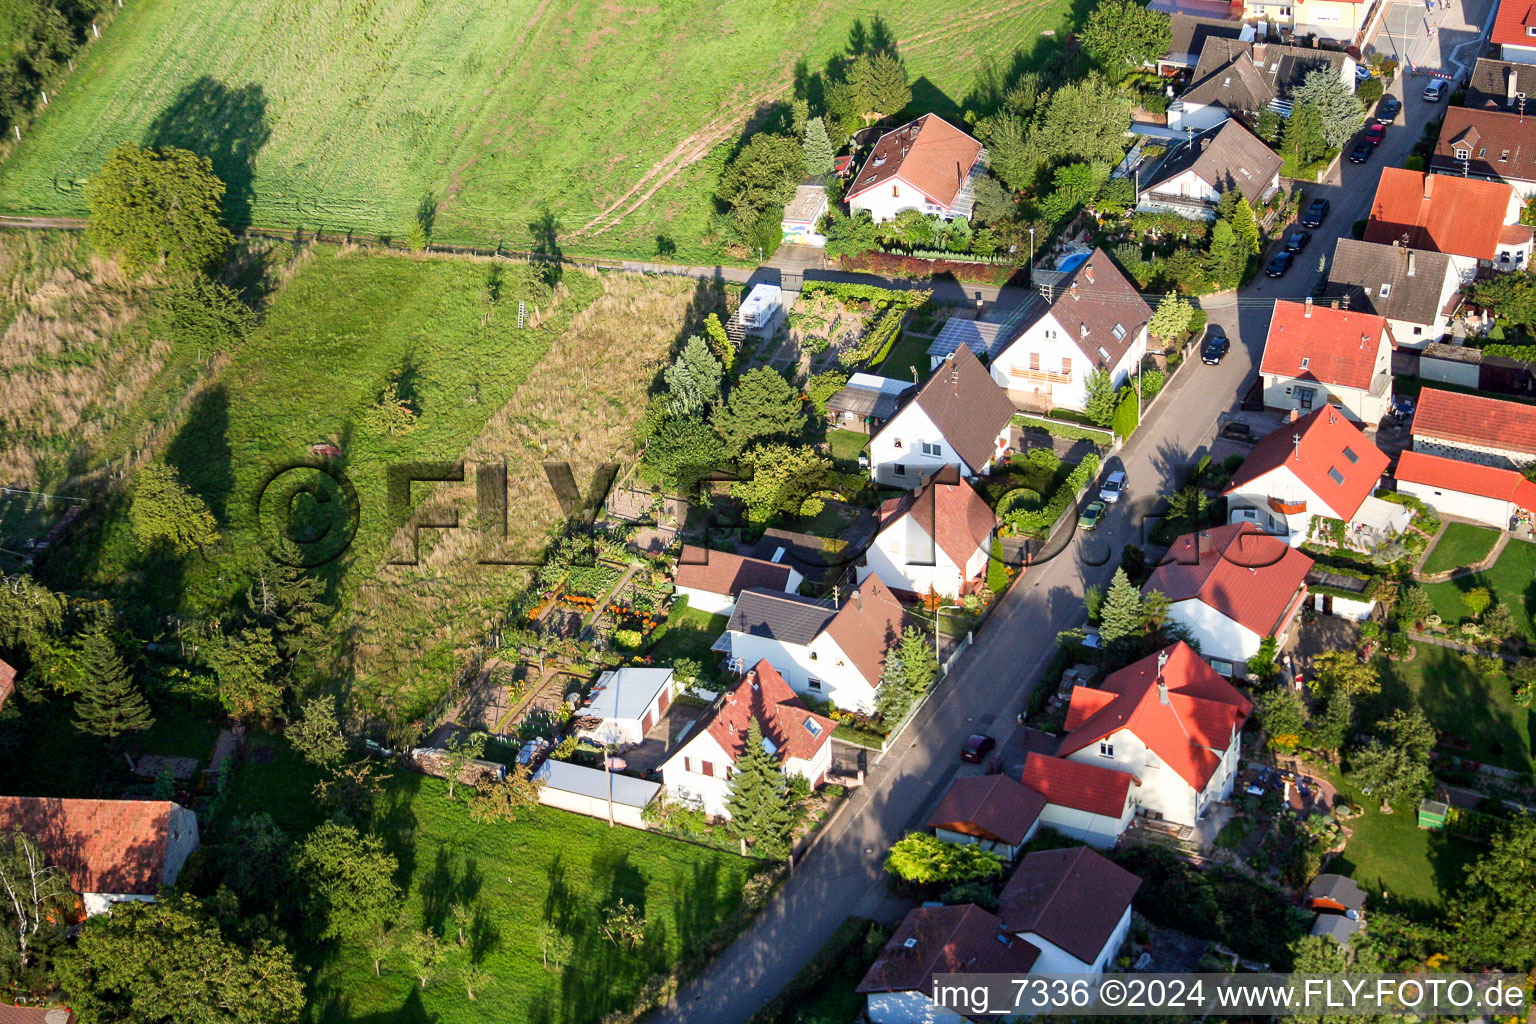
(1462, 154)
(1504, 157)
(1530, 30)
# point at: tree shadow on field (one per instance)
(547, 253)
(201, 455)
(228, 126)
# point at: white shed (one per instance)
(580, 790)
(626, 702)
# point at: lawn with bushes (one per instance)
(1462, 544)
(1511, 580)
(1475, 712)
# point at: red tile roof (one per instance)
(1079, 785)
(1466, 477)
(35, 1014)
(104, 846)
(1202, 712)
(1328, 443)
(721, 572)
(1072, 898)
(7, 682)
(960, 939)
(1463, 216)
(867, 625)
(1512, 26)
(1249, 576)
(949, 510)
(787, 723)
(1332, 346)
(1476, 420)
(993, 807)
(930, 154)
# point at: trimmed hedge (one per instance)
(1127, 416)
(1036, 521)
(907, 298)
(1069, 431)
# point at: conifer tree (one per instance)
(818, 147)
(109, 704)
(1120, 617)
(759, 803)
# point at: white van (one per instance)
(1436, 90)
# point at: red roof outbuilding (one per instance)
(116, 847)
(1073, 898)
(959, 939)
(1467, 478)
(1476, 420)
(991, 807)
(1331, 346)
(1076, 784)
(722, 572)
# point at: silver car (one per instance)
(1114, 486)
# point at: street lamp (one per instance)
(1031, 254)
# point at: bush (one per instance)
(1034, 521)
(1067, 431)
(923, 861)
(1127, 415)
(1043, 458)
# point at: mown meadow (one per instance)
(598, 128)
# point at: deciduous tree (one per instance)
(685, 450)
(1123, 34)
(317, 735)
(1344, 671)
(459, 752)
(345, 882)
(243, 664)
(151, 207)
(505, 800)
(32, 892)
(163, 512)
(782, 479)
(1497, 907)
(1171, 320)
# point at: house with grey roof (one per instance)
(1502, 85)
(1189, 33)
(1238, 79)
(1191, 179)
(866, 402)
(1416, 290)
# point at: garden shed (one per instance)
(1432, 814)
(624, 705)
(802, 215)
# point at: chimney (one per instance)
(1162, 685)
(1510, 81)
(858, 599)
(1294, 416)
(1429, 187)
(1073, 289)
(1205, 549)
(1308, 313)
(1410, 262)
(1083, 331)
(1088, 272)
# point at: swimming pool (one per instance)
(1071, 262)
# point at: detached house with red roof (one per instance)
(1476, 223)
(1469, 490)
(1514, 31)
(1169, 721)
(1475, 428)
(1232, 587)
(822, 650)
(1317, 354)
(711, 579)
(931, 941)
(1073, 905)
(1093, 318)
(111, 850)
(927, 165)
(699, 772)
(1317, 466)
(958, 418)
(936, 539)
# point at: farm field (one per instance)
(1460, 545)
(548, 866)
(606, 124)
(445, 331)
(1511, 580)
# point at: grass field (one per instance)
(547, 866)
(1460, 545)
(1457, 701)
(567, 386)
(607, 123)
(1512, 580)
(909, 357)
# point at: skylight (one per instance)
(1118, 332)
(1386, 289)
(813, 727)
(1304, 361)
(1349, 453)
(1333, 474)
(770, 746)
(1102, 352)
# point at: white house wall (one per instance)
(905, 557)
(1055, 960)
(1219, 635)
(1000, 848)
(1343, 607)
(1449, 371)
(1054, 345)
(1477, 507)
(685, 783)
(708, 601)
(1465, 451)
(1098, 830)
(896, 457)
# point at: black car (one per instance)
(1388, 109)
(1297, 240)
(976, 748)
(1236, 431)
(1279, 264)
(1215, 348)
(1362, 152)
(1317, 210)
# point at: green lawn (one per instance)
(1480, 711)
(689, 633)
(1461, 544)
(847, 446)
(908, 355)
(1512, 579)
(549, 866)
(607, 123)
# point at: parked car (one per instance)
(1388, 109)
(1361, 153)
(1236, 431)
(1362, 73)
(1297, 240)
(1216, 346)
(1114, 486)
(1317, 211)
(1092, 515)
(1435, 91)
(1279, 264)
(1375, 133)
(976, 748)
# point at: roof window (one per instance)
(1119, 331)
(813, 727)
(1102, 352)
(1333, 474)
(1349, 453)
(1305, 361)
(1386, 289)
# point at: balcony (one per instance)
(1040, 376)
(1287, 508)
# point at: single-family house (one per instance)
(927, 165)
(933, 941)
(1232, 586)
(1169, 720)
(1475, 428)
(866, 402)
(802, 216)
(711, 579)
(985, 338)
(1336, 20)
(7, 683)
(112, 851)
(1195, 173)
(828, 652)
(1316, 355)
(699, 772)
(936, 539)
(959, 418)
(624, 704)
(1239, 79)
(1476, 223)
(1093, 319)
(1494, 145)
(1514, 31)
(1317, 466)
(1089, 802)
(1188, 35)
(1501, 85)
(1416, 290)
(995, 812)
(1330, 892)
(1468, 490)
(1073, 904)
